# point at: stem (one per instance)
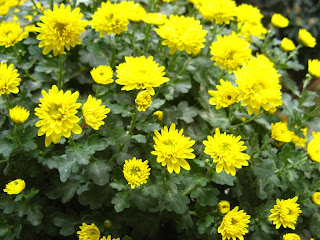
(243, 123)
(132, 35)
(74, 3)
(16, 53)
(4, 161)
(97, 91)
(51, 5)
(189, 190)
(172, 61)
(26, 71)
(266, 143)
(60, 73)
(147, 38)
(312, 112)
(113, 52)
(36, 7)
(71, 141)
(8, 101)
(133, 122)
(15, 134)
(182, 70)
(209, 170)
(115, 155)
(294, 52)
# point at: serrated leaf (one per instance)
(204, 224)
(34, 215)
(98, 171)
(205, 196)
(66, 222)
(67, 168)
(78, 153)
(140, 138)
(96, 144)
(121, 201)
(175, 202)
(188, 113)
(223, 178)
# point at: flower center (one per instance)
(56, 112)
(234, 221)
(225, 147)
(135, 171)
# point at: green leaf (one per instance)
(223, 178)
(67, 167)
(205, 196)
(95, 196)
(66, 222)
(314, 224)
(175, 202)
(121, 201)
(140, 138)
(34, 215)
(7, 147)
(204, 224)
(79, 153)
(188, 113)
(96, 144)
(308, 99)
(98, 171)
(215, 118)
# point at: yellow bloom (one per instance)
(316, 198)
(234, 224)
(230, 52)
(291, 236)
(285, 213)
(12, 3)
(182, 33)
(19, 114)
(15, 187)
(158, 115)
(197, 3)
(60, 28)
(140, 73)
(226, 151)
(280, 132)
(225, 96)
(30, 28)
(258, 82)
(9, 80)
(172, 148)
(279, 21)
(94, 113)
(11, 33)
(313, 147)
(168, 1)
(102, 74)
(306, 38)
(4, 8)
(88, 232)
(110, 18)
(299, 141)
(134, 11)
(218, 11)
(314, 67)
(155, 18)
(57, 113)
(287, 45)
(29, 17)
(143, 101)
(224, 207)
(136, 172)
(109, 238)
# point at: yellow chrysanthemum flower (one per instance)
(314, 67)
(18, 114)
(60, 29)
(155, 18)
(9, 80)
(102, 74)
(306, 38)
(279, 21)
(30, 28)
(143, 101)
(4, 8)
(291, 236)
(172, 148)
(300, 141)
(285, 213)
(218, 11)
(57, 113)
(287, 45)
(88, 232)
(12, 3)
(110, 18)
(11, 33)
(158, 115)
(313, 148)
(230, 52)
(15, 187)
(182, 33)
(224, 207)
(234, 224)
(226, 150)
(94, 113)
(109, 238)
(280, 132)
(225, 96)
(258, 82)
(134, 11)
(140, 73)
(316, 198)
(136, 171)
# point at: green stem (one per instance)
(172, 61)
(115, 155)
(4, 161)
(133, 122)
(74, 3)
(181, 71)
(312, 112)
(97, 91)
(26, 71)
(209, 170)
(16, 53)
(60, 83)
(8, 101)
(132, 35)
(189, 189)
(112, 61)
(304, 157)
(266, 143)
(294, 52)
(71, 141)
(147, 34)
(36, 7)
(15, 134)
(245, 122)
(51, 5)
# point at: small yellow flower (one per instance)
(19, 114)
(30, 28)
(279, 21)
(88, 232)
(280, 132)
(155, 18)
(314, 67)
(291, 236)
(287, 45)
(102, 74)
(158, 115)
(134, 11)
(109, 238)
(4, 9)
(316, 198)
(15, 187)
(225, 95)
(11, 33)
(306, 38)
(143, 101)
(224, 207)
(28, 17)
(136, 172)
(313, 148)
(9, 79)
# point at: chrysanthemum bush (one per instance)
(155, 120)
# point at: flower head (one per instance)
(143, 101)
(11, 33)
(314, 67)
(88, 232)
(316, 198)
(172, 148)
(234, 224)
(9, 80)
(140, 73)
(285, 213)
(4, 8)
(15, 187)
(291, 236)
(134, 11)
(224, 207)
(60, 29)
(279, 21)
(19, 114)
(136, 172)
(313, 148)
(109, 238)
(218, 11)
(182, 33)
(94, 113)
(155, 18)
(102, 74)
(57, 113)
(226, 151)
(225, 96)
(306, 38)
(158, 115)
(287, 45)
(258, 82)
(110, 18)
(280, 132)
(300, 141)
